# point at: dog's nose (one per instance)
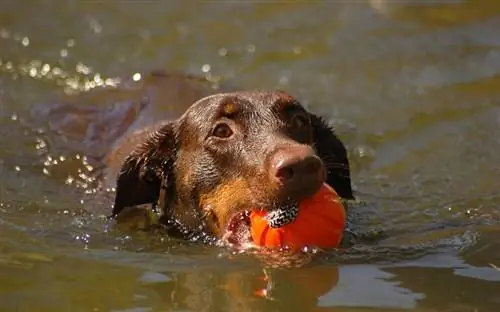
(298, 171)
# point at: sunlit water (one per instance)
(413, 90)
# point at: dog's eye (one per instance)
(222, 131)
(298, 122)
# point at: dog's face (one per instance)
(230, 153)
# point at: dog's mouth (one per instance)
(237, 230)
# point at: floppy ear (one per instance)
(145, 170)
(333, 153)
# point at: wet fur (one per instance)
(204, 188)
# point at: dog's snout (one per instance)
(298, 170)
(292, 165)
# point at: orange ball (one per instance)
(320, 223)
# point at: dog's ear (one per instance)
(334, 155)
(146, 169)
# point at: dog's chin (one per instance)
(237, 230)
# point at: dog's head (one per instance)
(230, 153)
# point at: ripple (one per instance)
(84, 79)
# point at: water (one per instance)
(413, 90)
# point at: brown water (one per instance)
(414, 91)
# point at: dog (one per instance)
(217, 154)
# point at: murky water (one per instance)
(414, 91)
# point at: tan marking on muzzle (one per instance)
(224, 201)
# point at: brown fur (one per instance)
(209, 179)
(162, 140)
(223, 200)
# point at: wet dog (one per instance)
(211, 156)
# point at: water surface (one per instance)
(413, 90)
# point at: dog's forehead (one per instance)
(265, 99)
(254, 104)
(229, 103)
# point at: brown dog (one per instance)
(210, 161)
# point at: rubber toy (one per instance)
(318, 221)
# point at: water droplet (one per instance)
(251, 48)
(98, 79)
(45, 69)
(297, 50)
(64, 53)
(111, 82)
(45, 171)
(56, 71)
(136, 77)
(70, 43)
(13, 117)
(17, 168)
(205, 68)
(33, 72)
(25, 41)
(83, 69)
